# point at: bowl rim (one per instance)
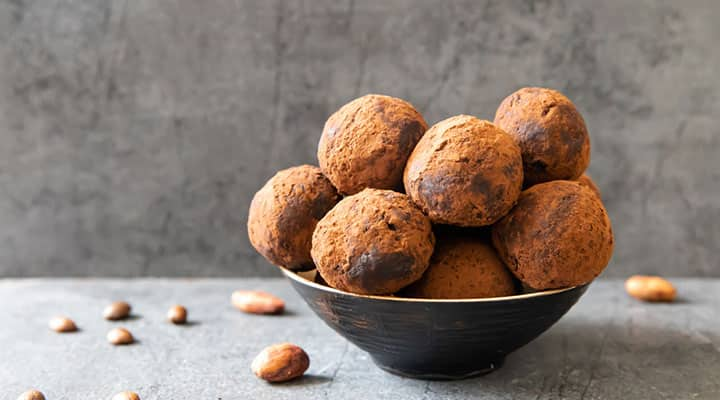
(300, 279)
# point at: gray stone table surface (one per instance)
(609, 346)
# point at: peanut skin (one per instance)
(281, 362)
(650, 288)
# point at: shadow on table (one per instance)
(588, 360)
(189, 323)
(307, 380)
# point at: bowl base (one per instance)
(457, 374)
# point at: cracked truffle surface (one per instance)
(585, 180)
(558, 235)
(366, 143)
(463, 267)
(284, 212)
(465, 172)
(373, 242)
(550, 131)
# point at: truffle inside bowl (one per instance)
(432, 338)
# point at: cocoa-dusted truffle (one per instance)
(463, 267)
(585, 180)
(283, 215)
(367, 142)
(319, 279)
(373, 242)
(558, 235)
(550, 131)
(465, 172)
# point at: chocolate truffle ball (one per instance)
(283, 215)
(585, 180)
(550, 131)
(465, 172)
(319, 279)
(367, 142)
(373, 242)
(463, 267)
(558, 235)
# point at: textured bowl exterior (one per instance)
(437, 339)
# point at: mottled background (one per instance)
(133, 134)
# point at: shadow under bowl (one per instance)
(436, 339)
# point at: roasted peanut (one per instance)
(256, 302)
(280, 363)
(650, 288)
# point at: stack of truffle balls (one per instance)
(464, 209)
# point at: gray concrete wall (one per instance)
(134, 133)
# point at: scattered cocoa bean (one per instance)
(256, 302)
(650, 288)
(116, 311)
(32, 395)
(120, 336)
(177, 314)
(280, 363)
(127, 395)
(62, 324)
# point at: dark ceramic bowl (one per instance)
(436, 339)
